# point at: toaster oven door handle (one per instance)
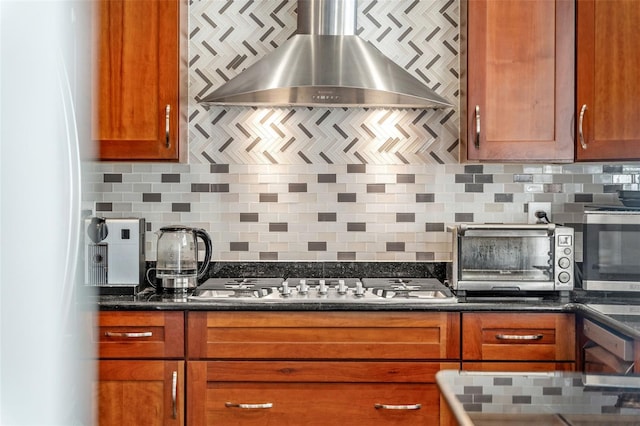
(519, 336)
(128, 335)
(550, 227)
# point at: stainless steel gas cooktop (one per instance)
(325, 290)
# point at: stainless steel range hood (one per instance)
(326, 64)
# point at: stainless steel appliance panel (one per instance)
(611, 249)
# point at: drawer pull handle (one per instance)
(128, 335)
(398, 407)
(519, 337)
(174, 394)
(249, 406)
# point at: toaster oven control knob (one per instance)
(564, 262)
(564, 277)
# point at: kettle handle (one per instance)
(204, 236)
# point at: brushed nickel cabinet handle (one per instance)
(174, 394)
(477, 141)
(519, 337)
(128, 335)
(397, 407)
(166, 126)
(580, 132)
(249, 406)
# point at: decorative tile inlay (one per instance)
(421, 36)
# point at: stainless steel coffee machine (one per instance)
(114, 253)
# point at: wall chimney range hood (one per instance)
(326, 64)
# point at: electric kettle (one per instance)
(177, 264)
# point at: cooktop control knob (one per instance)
(342, 287)
(286, 290)
(304, 287)
(359, 291)
(323, 289)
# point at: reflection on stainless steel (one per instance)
(327, 290)
(326, 64)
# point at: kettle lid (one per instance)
(177, 228)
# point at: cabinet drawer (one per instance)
(140, 335)
(224, 394)
(323, 335)
(518, 337)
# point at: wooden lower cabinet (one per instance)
(319, 368)
(315, 393)
(141, 368)
(518, 341)
(140, 392)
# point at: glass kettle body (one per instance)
(177, 262)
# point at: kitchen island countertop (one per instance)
(554, 398)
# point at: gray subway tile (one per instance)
(346, 255)
(376, 187)
(483, 178)
(434, 227)
(405, 217)
(327, 217)
(464, 217)
(239, 246)
(406, 178)
(425, 198)
(473, 168)
(104, 207)
(346, 197)
(219, 168)
(170, 178)
(473, 187)
(327, 178)
(153, 197)
(395, 246)
(112, 178)
(317, 246)
(219, 187)
(503, 198)
(268, 197)
(297, 187)
(356, 168)
(181, 207)
(278, 227)
(356, 226)
(268, 255)
(200, 187)
(249, 217)
(463, 178)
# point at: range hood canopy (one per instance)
(326, 64)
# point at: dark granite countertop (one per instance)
(149, 300)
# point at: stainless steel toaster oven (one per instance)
(511, 257)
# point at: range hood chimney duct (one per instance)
(326, 64)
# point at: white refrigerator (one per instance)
(45, 366)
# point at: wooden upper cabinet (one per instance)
(518, 66)
(136, 75)
(608, 94)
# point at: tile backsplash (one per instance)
(323, 184)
